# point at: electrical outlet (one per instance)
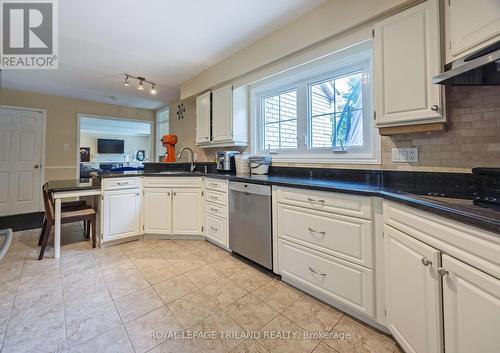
(408, 155)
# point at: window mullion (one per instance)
(302, 117)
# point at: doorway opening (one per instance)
(112, 145)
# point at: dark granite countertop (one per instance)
(72, 185)
(459, 208)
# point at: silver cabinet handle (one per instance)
(316, 272)
(313, 200)
(316, 231)
(122, 183)
(174, 193)
(214, 229)
(434, 108)
(214, 210)
(214, 198)
(426, 261)
(213, 184)
(168, 193)
(442, 271)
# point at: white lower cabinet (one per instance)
(216, 212)
(430, 286)
(157, 211)
(471, 309)
(412, 293)
(216, 229)
(121, 214)
(340, 280)
(186, 211)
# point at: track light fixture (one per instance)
(140, 86)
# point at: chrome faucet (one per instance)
(192, 161)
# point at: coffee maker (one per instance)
(226, 162)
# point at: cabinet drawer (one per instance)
(120, 183)
(217, 210)
(215, 184)
(474, 246)
(349, 205)
(172, 182)
(216, 197)
(348, 238)
(342, 281)
(216, 229)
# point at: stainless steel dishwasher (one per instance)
(250, 222)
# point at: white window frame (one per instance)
(351, 60)
(158, 122)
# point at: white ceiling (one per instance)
(167, 41)
(114, 127)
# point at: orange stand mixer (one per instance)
(169, 142)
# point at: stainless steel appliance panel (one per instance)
(250, 227)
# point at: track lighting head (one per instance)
(140, 86)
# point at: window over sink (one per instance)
(319, 112)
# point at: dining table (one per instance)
(69, 189)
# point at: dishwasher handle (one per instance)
(250, 188)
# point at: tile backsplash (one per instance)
(471, 140)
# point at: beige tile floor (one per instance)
(168, 296)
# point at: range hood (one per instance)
(481, 68)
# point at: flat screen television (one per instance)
(109, 146)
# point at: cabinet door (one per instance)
(203, 112)
(216, 229)
(412, 293)
(407, 55)
(470, 25)
(471, 309)
(121, 214)
(157, 211)
(186, 211)
(222, 113)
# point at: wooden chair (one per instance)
(67, 216)
(65, 206)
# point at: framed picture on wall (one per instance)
(140, 155)
(84, 154)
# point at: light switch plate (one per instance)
(406, 155)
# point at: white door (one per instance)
(121, 213)
(203, 113)
(186, 211)
(412, 293)
(222, 113)
(470, 25)
(407, 55)
(157, 211)
(20, 160)
(471, 309)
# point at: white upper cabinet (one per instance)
(470, 25)
(413, 293)
(471, 309)
(406, 57)
(227, 122)
(203, 115)
(222, 118)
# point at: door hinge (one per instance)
(449, 2)
(202, 228)
(449, 45)
(143, 192)
(374, 115)
(385, 312)
(373, 33)
(202, 193)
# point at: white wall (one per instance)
(131, 143)
(334, 18)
